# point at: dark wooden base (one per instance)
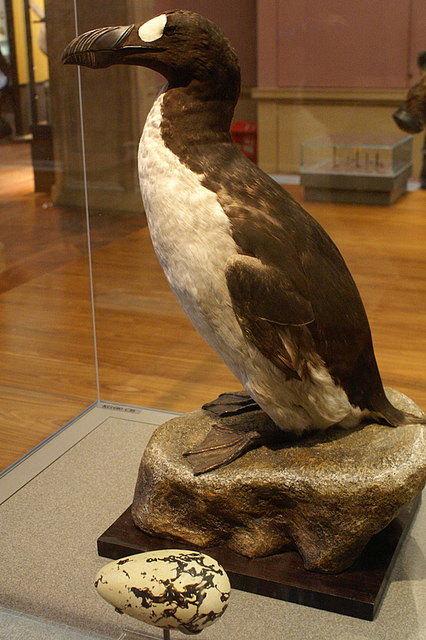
(356, 592)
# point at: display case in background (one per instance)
(357, 169)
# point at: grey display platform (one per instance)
(49, 527)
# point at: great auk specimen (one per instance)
(412, 116)
(259, 278)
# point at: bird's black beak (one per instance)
(407, 122)
(104, 47)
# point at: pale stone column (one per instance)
(115, 104)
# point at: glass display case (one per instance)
(355, 168)
(95, 350)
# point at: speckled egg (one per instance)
(170, 588)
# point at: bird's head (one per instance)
(181, 45)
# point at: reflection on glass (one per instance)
(47, 371)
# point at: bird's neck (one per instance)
(196, 115)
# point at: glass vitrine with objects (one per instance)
(356, 168)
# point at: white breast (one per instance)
(192, 238)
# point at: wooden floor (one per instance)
(149, 354)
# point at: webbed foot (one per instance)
(231, 404)
(221, 446)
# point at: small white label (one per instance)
(113, 407)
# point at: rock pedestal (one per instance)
(325, 494)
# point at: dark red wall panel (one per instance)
(335, 43)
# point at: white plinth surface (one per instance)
(48, 532)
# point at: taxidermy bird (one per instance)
(412, 116)
(259, 278)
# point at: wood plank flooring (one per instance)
(47, 370)
(149, 354)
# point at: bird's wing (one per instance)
(272, 313)
(267, 224)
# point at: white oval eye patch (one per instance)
(153, 29)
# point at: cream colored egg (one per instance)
(169, 588)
